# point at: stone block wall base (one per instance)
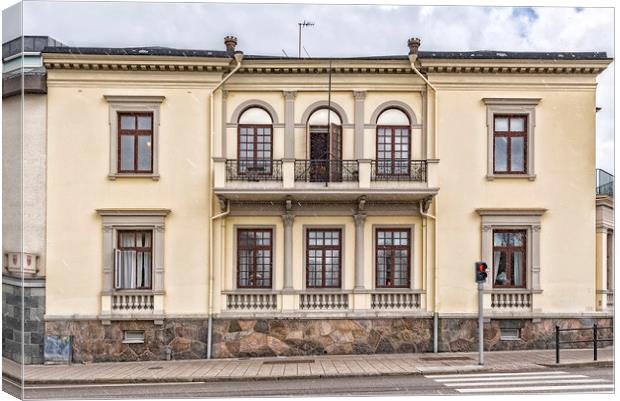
(461, 335)
(187, 338)
(28, 310)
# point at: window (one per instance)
(135, 138)
(255, 142)
(392, 258)
(133, 260)
(510, 132)
(134, 135)
(509, 258)
(393, 143)
(510, 330)
(510, 136)
(254, 258)
(323, 258)
(133, 336)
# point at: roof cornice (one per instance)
(64, 61)
(495, 66)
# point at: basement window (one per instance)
(510, 330)
(133, 337)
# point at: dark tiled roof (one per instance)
(137, 51)
(472, 55)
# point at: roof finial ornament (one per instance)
(414, 44)
(231, 43)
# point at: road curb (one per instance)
(594, 364)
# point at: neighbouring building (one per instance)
(24, 110)
(214, 204)
(604, 240)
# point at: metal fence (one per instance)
(604, 183)
(398, 170)
(254, 170)
(594, 340)
(326, 170)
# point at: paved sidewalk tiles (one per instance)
(299, 367)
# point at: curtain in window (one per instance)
(496, 259)
(517, 263)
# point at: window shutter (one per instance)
(117, 269)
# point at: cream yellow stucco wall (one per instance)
(564, 161)
(78, 184)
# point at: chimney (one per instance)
(230, 42)
(413, 44)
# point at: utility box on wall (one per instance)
(15, 261)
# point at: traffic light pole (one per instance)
(480, 326)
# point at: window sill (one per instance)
(531, 177)
(512, 291)
(154, 177)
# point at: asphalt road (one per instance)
(573, 380)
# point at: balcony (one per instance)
(325, 180)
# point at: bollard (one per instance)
(557, 344)
(595, 337)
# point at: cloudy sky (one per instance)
(339, 30)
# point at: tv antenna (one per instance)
(303, 25)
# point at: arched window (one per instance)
(254, 148)
(325, 137)
(393, 143)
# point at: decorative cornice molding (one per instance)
(132, 212)
(133, 99)
(506, 101)
(511, 212)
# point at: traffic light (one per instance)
(481, 272)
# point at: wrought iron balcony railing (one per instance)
(327, 170)
(398, 170)
(254, 170)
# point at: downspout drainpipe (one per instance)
(413, 56)
(238, 58)
(210, 319)
(435, 314)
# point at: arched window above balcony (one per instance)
(393, 143)
(255, 141)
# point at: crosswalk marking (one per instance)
(519, 382)
(535, 388)
(516, 382)
(554, 372)
(490, 379)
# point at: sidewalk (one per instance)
(298, 367)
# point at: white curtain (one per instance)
(517, 266)
(496, 258)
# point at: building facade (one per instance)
(216, 204)
(24, 123)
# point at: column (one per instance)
(359, 218)
(601, 268)
(287, 220)
(358, 141)
(289, 124)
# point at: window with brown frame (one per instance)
(133, 260)
(509, 258)
(509, 144)
(255, 147)
(135, 142)
(392, 258)
(254, 258)
(323, 258)
(393, 147)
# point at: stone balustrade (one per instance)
(511, 301)
(133, 302)
(324, 301)
(255, 302)
(395, 301)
